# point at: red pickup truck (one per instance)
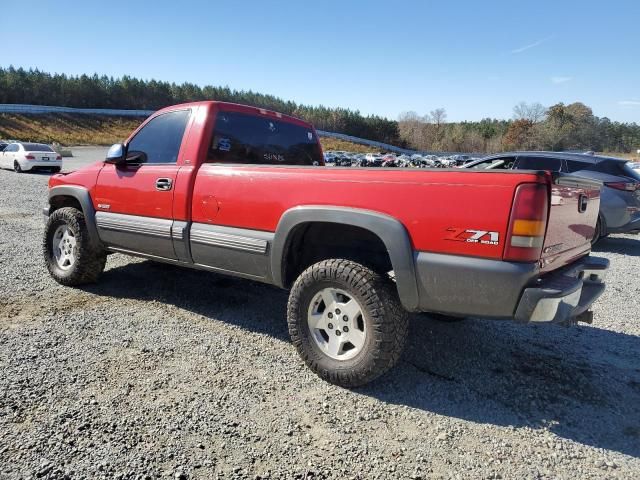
(244, 191)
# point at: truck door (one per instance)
(134, 201)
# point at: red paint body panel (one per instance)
(427, 202)
(132, 190)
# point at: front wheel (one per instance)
(346, 322)
(70, 257)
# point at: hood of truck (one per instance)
(85, 177)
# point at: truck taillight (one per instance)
(627, 186)
(528, 223)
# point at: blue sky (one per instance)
(475, 59)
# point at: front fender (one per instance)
(83, 197)
(392, 233)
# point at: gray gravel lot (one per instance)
(158, 371)
(82, 156)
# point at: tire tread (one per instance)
(90, 261)
(388, 320)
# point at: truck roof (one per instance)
(237, 107)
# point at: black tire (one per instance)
(385, 318)
(89, 261)
(598, 233)
(16, 167)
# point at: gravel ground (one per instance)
(162, 372)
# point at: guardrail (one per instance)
(370, 143)
(23, 108)
(39, 109)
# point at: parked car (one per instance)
(460, 159)
(620, 200)
(25, 157)
(245, 193)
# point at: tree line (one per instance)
(533, 126)
(35, 87)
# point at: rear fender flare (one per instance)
(392, 233)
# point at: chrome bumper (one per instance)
(562, 296)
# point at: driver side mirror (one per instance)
(117, 154)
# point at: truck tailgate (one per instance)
(575, 203)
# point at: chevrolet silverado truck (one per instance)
(244, 191)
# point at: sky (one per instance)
(476, 59)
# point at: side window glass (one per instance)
(540, 163)
(159, 140)
(573, 166)
(504, 163)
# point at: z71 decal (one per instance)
(473, 236)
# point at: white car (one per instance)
(24, 157)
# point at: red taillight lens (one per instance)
(59, 157)
(29, 157)
(528, 223)
(627, 186)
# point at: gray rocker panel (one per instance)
(140, 234)
(231, 249)
(180, 237)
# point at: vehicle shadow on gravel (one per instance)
(622, 245)
(256, 306)
(582, 383)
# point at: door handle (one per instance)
(164, 184)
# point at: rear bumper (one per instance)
(563, 295)
(466, 286)
(31, 164)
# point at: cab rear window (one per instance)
(245, 138)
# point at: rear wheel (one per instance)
(16, 167)
(346, 322)
(70, 257)
(598, 233)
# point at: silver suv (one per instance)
(620, 198)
